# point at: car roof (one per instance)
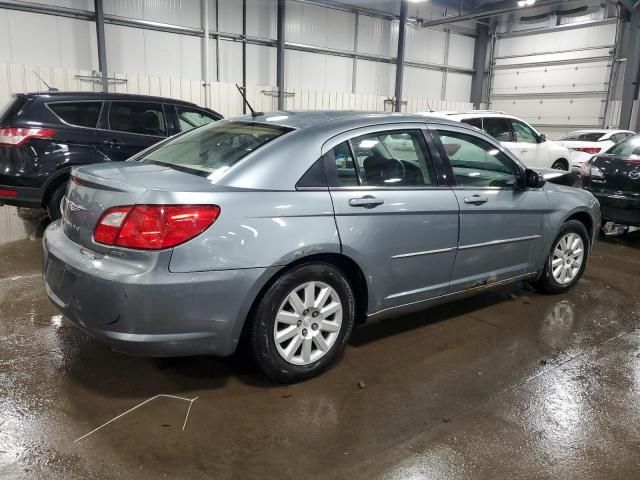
(599, 130)
(107, 96)
(468, 114)
(335, 119)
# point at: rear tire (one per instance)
(561, 164)
(293, 339)
(567, 259)
(54, 204)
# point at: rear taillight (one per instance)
(588, 170)
(153, 227)
(8, 193)
(589, 150)
(15, 136)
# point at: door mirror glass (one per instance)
(542, 138)
(533, 179)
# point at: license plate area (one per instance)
(60, 279)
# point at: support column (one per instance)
(479, 64)
(205, 54)
(630, 80)
(280, 54)
(401, 54)
(244, 53)
(102, 52)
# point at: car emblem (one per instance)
(75, 207)
(634, 175)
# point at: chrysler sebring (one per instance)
(286, 230)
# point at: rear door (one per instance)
(501, 223)
(129, 128)
(394, 215)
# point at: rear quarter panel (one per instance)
(256, 229)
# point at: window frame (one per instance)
(163, 108)
(436, 128)
(62, 120)
(536, 135)
(440, 179)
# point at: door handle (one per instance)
(476, 200)
(524, 151)
(367, 202)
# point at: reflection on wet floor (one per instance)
(510, 384)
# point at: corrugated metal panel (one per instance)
(178, 12)
(420, 82)
(261, 18)
(375, 36)
(461, 50)
(314, 25)
(458, 87)
(425, 45)
(375, 78)
(317, 71)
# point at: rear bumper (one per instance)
(619, 208)
(154, 312)
(25, 197)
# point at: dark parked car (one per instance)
(614, 179)
(43, 135)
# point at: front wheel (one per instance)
(567, 259)
(302, 323)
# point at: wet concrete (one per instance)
(509, 384)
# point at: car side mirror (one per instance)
(533, 179)
(542, 138)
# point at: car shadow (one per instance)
(627, 239)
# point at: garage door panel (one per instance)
(579, 111)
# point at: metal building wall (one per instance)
(354, 53)
(556, 79)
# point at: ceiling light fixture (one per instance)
(526, 3)
(417, 1)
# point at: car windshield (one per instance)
(627, 148)
(211, 150)
(582, 136)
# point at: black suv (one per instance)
(43, 135)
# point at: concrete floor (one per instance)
(504, 385)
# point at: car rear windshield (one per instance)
(627, 148)
(211, 150)
(582, 136)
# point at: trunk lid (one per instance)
(621, 175)
(96, 188)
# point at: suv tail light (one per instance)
(153, 227)
(16, 136)
(590, 150)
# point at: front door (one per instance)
(501, 223)
(527, 147)
(394, 216)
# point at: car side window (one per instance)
(137, 117)
(474, 122)
(476, 162)
(498, 128)
(80, 114)
(523, 133)
(340, 155)
(190, 118)
(393, 159)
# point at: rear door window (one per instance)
(474, 122)
(79, 114)
(138, 117)
(190, 118)
(498, 128)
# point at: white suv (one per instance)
(530, 146)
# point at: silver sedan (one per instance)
(288, 229)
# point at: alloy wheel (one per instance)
(568, 256)
(308, 323)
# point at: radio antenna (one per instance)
(244, 97)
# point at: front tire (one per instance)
(302, 323)
(567, 259)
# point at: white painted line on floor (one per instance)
(20, 277)
(184, 425)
